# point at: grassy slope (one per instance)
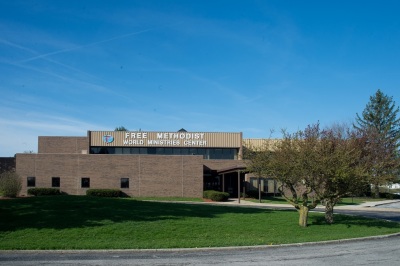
(79, 222)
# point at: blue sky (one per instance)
(221, 66)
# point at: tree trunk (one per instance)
(329, 211)
(376, 191)
(303, 219)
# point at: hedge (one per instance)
(44, 191)
(253, 194)
(109, 193)
(388, 195)
(216, 195)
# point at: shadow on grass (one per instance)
(60, 212)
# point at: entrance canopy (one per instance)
(233, 169)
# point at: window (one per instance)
(85, 182)
(207, 153)
(55, 182)
(124, 182)
(160, 151)
(135, 151)
(31, 181)
(151, 150)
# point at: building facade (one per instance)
(141, 164)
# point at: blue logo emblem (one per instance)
(108, 138)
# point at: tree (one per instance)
(257, 158)
(380, 124)
(286, 166)
(10, 184)
(121, 128)
(314, 165)
(339, 165)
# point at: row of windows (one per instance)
(85, 182)
(208, 153)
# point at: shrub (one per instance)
(109, 193)
(10, 184)
(206, 194)
(253, 194)
(219, 196)
(41, 191)
(388, 195)
(215, 195)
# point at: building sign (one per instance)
(164, 139)
(108, 138)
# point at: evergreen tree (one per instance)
(380, 124)
(121, 128)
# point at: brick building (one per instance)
(178, 164)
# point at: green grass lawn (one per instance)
(80, 222)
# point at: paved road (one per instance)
(363, 252)
(378, 251)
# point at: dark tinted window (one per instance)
(85, 182)
(31, 181)
(55, 182)
(124, 182)
(207, 153)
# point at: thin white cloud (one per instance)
(76, 82)
(16, 46)
(26, 49)
(44, 55)
(87, 85)
(47, 124)
(21, 130)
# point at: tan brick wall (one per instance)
(149, 175)
(63, 144)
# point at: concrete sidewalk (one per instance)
(372, 205)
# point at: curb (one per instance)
(203, 249)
